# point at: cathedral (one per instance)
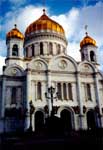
(40, 79)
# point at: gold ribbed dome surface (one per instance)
(44, 23)
(87, 40)
(14, 33)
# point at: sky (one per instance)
(73, 15)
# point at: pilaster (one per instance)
(28, 98)
(98, 99)
(79, 98)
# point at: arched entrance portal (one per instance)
(39, 121)
(91, 119)
(66, 118)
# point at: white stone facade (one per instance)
(28, 76)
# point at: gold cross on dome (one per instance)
(15, 25)
(86, 27)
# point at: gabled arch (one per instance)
(89, 64)
(14, 70)
(41, 62)
(65, 107)
(65, 57)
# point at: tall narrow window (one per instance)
(59, 90)
(50, 49)
(13, 96)
(33, 50)
(92, 56)
(58, 49)
(39, 90)
(15, 50)
(41, 48)
(64, 91)
(70, 96)
(88, 92)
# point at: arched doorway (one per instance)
(66, 118)
(91, 122)
(39, 121)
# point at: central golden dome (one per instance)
(44, 23)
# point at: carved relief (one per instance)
(85, 68)
(38, 65)
(13, 71)
(62, 64)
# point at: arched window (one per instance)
(15, 50)
(39, 90)
(58, 49)
(33, 50)
(64, 91)
(59, 90)
(50, 48)
(70, 96)
(88, 92)
(13, 95)
(92, 56)
(41, 48)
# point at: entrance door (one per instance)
(91, 119)
(66, 120)
(39, 121)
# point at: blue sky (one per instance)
(73, 15)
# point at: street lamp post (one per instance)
(31, 112)
(51, 90)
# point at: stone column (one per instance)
(79, 98)
(10, 50)
(67, 91)
(28, 97)
(36, 90)
(45, 48)
(62, 93)
(37, 49)
(98, 100)
(54, 49)
(73, 91)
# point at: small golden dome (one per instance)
(44, 23)
(87, 40)
(14, 33)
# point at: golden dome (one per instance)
(14, 33)
(44, 23)
(87, 40)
